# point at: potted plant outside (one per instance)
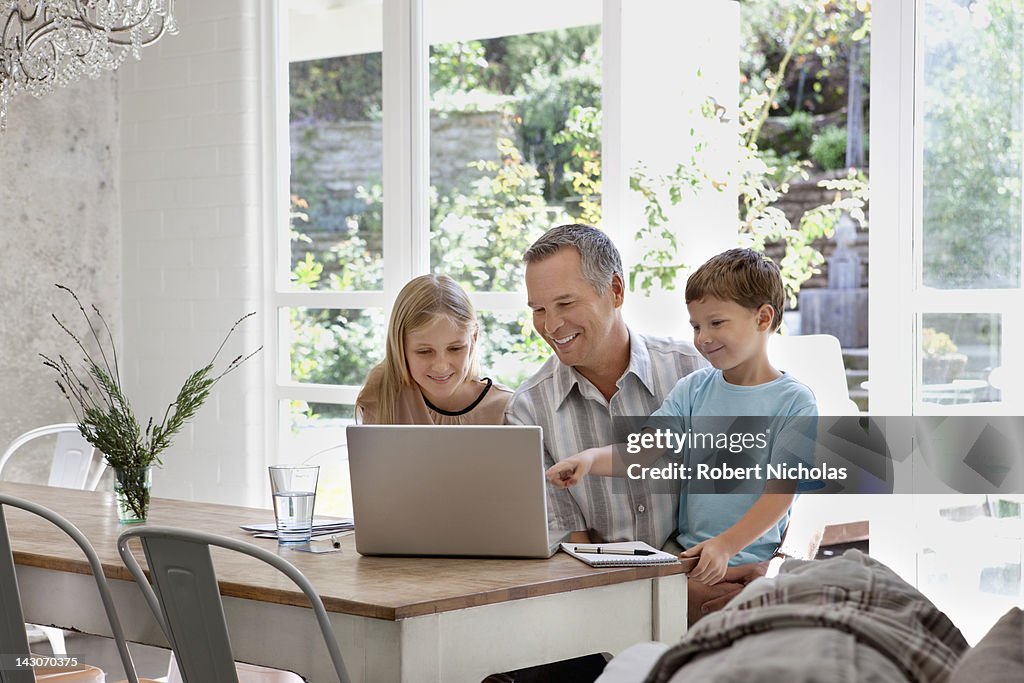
(940, 361)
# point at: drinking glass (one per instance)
(294, 491)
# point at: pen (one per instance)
(335, 542)
(598, 550)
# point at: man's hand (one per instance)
(737, 577)
(570, 471)
(714, 560)
(745, 573)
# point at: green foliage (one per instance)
(551, 95)
(759, 184)
(583, 131)
(782, 39)
(337, 88)
(971, 167)
(801, 125)
(336, 346)
(479, 238)
(776, 35)
(458, 66)
(510, 349)
(828, 148)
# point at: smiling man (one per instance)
(601, 369)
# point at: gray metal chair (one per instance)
(191, 612)
(13, 640)
(76, 464)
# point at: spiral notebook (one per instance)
(612, 560)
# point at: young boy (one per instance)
(735, 304)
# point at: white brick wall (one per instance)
(192, 242)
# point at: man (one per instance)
(601, 369)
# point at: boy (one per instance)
(735, 304)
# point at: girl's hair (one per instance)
(421, 301)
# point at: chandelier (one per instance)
(56, 42)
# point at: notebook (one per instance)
(465, 490)
(612, 560)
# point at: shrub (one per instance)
(828, 148)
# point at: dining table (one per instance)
(401, 619)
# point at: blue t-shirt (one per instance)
(705, 393)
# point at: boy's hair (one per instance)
(741, 275)
(599, 259)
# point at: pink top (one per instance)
(413, 408)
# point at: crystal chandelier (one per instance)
(56, 42)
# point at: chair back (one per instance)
(76, 464)
(817, 361)
(13, 640)
(185, 598)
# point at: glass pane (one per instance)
(959, 351)
(335, 346)
(970, 557)
(315, 432)
(514, 149)
(337, 147)
(510, 351)
(971, 99)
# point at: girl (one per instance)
(429, 374)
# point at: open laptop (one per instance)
(474, 491)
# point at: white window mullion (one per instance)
(275, 162)
(330, 299)
(316, 393)
(1000, 301)
(406, 158)
(891, 330)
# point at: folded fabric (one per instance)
(850, 618)
(999, 656)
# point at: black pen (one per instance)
(598, 550)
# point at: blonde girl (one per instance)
(429, 374)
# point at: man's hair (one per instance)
(741, 275)
(599, 259)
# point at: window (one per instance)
(946, 250)
(510, 112)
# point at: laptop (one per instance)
(469, 491)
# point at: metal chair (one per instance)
(13, 640)
(76, 465)
(185, 598)
(817, 361)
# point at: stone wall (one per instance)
(59, 199)
(346, 154)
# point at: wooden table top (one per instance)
(379, 587)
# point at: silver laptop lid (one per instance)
(449, 490)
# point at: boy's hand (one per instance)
(714, 560)
(569, 472)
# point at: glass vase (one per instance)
(131, 489)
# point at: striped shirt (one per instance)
(575, 416)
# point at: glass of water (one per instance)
(294, 490)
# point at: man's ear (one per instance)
(765, 317)
(618, 290)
